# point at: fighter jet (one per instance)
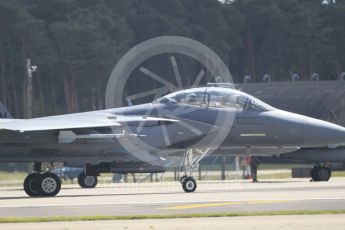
(180, 129)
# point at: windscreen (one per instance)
(217, 97)
(191, 97)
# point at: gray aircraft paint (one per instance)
(271, 131)
(317, 155)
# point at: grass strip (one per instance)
(165, 216)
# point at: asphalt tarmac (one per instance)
(168, 198)
(310, 222)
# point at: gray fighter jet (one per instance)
(178, 129)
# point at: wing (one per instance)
(76, 121)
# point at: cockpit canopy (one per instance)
(216, 97)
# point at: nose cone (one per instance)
(321, 133)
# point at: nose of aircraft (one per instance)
(298, 130)
(322, 133)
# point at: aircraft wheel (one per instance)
(321, 173)
(313, 174)
(183, 178)
(49, 184)
(30, 185)
(324, 173)
(87, 181)
(189, 185)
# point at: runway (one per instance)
(168, 198)
(311, 222)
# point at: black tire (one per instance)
(324, 173)
(87, 181)
(321, 173)
(30, 185)
(183, 178)
(189, 185)
(314, 175)
(49, 184)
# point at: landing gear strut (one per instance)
(191, 163)
(320, 173)
(46, 184)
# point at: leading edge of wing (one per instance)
(44, 125)
(68, 122)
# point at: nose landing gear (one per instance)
(189, 184)
(190, 163)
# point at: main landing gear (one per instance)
(42, 183)
(46, 184)
(320, 173)
(191, 163)
(87, 181)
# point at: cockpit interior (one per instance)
(216, 97)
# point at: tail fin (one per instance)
(4, 112)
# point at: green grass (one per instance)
(165, 216)
(338, 174)
(7, 176)
(12, 178)
(274, 176)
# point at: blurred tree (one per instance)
(88, 44)
(76, 43)
(22, 36)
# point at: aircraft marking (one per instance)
(253, 134)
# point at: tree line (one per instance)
(76, 43)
